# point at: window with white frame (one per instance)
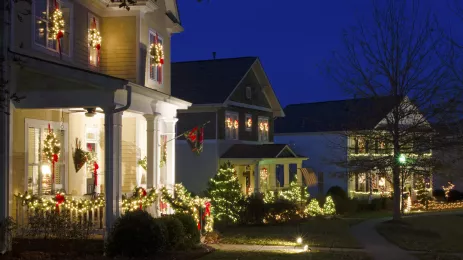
(94, 51)
(43, 13)
(156, 71)
(231, 125)
(39, 171)
(263, 128)
(248, 122)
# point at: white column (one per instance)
(286, 175)
(299, 174)
(256, 178)
(151, 152)
(113, 135)
(170, 163)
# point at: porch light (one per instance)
(46, 170)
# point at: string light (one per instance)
(35, 202)
(140, 199)
(57, 25)
(313, 209)
(447, 189)
(329, 208)
(94, 38)
(157, 54)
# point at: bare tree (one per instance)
(397, 56)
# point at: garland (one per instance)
(59, 201)
(143, 163)
(79, 155)
(51, 149)
(140, 199)
(57, 26)
(94, 38)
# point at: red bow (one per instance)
(143, 194)
(207, 211)
(53, 161)
(193, 134)
(95, 175)
(59, 200)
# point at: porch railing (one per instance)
(95, 217)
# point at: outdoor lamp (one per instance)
(299, 240)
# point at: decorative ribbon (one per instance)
(162, 206)
(143, 194)
(95, 175)
(207, 212)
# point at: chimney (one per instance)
(213, 55)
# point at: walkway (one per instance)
(375, 244)
(234, 247)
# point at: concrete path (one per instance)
(234, 247)
(375, 244)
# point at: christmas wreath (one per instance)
(79, 155)
(57, 24)
(94, 38)
(51, 149)
(157, 54)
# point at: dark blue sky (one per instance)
(292, 38)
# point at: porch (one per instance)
(264, 167)
(121, 129)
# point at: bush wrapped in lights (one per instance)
(295, 193)
(329, 208)
(183, 202)
(140, 199)
(313, 209)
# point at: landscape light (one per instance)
(299, 240)
(306, 248)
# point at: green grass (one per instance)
(442, 233)
(315, 232)
(281, 255)
(436, 257)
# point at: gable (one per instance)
(257, 97)
(413, 116)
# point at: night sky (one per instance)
(293, 38)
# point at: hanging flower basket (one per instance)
(79, 156)
(157, 54)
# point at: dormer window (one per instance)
(231, 125)
(248, 93)
(156, 59)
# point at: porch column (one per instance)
(170, 162)
(151, 152)
(299, 174)
(286, 174)
(113, 138)
(256, 178)
(5, 245)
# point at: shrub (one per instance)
(175, 232)
(336, 191)
(254, 210)
(190, 228)
(281, 211)
(136, 234)
(329, 208)
(313, 209)
(340, 199)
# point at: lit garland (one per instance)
(313, 209)
(437, 206)
(157, 54)
(35, 202)
(225, 192)
(57, 24)
(329, 208)
(140, 199)
(411, 155)
(408, 204)
(295, 192)
(94, 38)
(182, 201)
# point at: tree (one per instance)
(225, 193)
(422, 187)
(397, 56)
(329, 208)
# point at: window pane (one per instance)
(33, 145)
(33, 179)
(65, 41)
(40, 8)
(41, 32)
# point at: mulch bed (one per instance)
(54, 249)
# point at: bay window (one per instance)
(42, 23)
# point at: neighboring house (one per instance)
(236, 98)
(320, 131)
(112, 97)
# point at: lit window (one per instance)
(43, 12)
(94, 40)
(263, 129)
(231, 125)
(248, 122)
(156, 71)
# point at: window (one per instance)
(231, 125)
(248, 122)
(156, 72)
(248, 92)
(38, 172)
(43, 12)
(263, 129)
(93, 51)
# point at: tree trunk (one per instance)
(397, 193)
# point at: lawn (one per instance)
(281, 255)
(315, 232)
(442, 233)
(436, 257)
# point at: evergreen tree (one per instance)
(329, 208)
(225, 193)
(422, 194)
(313, 209)
(295, 193)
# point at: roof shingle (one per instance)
(208, 81)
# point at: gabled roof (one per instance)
(208, 81)
(331, 116)
(259, 151)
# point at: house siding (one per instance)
(118, 57)
(323, 151)
(258, 97)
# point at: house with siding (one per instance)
(334, 133)
(97, 86)
(235, 98)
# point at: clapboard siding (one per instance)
(118, 57)
(129, 155)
